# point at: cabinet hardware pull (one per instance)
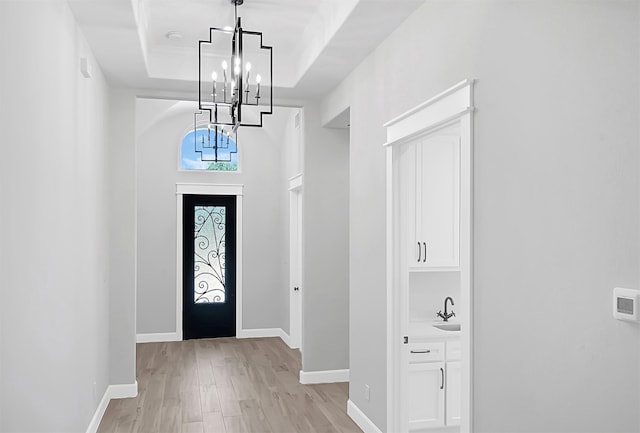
(442, 373)
(421, 351)
(425, 252)
(419, 253)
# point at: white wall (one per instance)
(556, 203)
(161, 127)
(54, 282)
(325, 284)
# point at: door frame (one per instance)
(295, 194)
(452, 106)
(208, 189)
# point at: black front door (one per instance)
(209, 266)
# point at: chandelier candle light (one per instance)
(236, 100)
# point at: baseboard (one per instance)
(111, 393)
(99, 413)
(157, 338)
(361, 419)
(244, 333)
(127, 390)
(325, 376)
(287, 339)
(258, 333)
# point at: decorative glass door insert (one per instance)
(209, 257)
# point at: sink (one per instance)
(447, 326)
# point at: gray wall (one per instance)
(556, 203)
(291, 162)
(161, 126)
(122, 242)
(325, 284)
(55, 279)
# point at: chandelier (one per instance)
(229, 94)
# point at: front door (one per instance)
(209, 268)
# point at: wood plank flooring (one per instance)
(226, 385)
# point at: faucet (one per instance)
(446, 316)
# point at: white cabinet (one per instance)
(453, 384)
(434, 206)
(433, 385)
(426, 395)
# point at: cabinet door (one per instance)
(406, 194)
(438, 200)
(426, 395)
(453, 391)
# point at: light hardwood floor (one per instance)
(226, 385)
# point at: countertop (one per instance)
(424, 329)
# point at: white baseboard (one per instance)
(127, 390)
(111, 393)
(361, 419)
(157, 338)
(99, 413)
(258, 333)
(243, 333)
(287, 339)
(325, 376)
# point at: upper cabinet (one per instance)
(434, 205)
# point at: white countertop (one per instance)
(425, 329)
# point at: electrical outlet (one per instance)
(367, 392)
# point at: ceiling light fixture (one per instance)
(229, 95)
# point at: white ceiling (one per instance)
(316, 43)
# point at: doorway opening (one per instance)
(227, 196)
(430, 259)
(295, 261)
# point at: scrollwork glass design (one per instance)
(209, 254)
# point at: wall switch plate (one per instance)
(626, 304)
(367, 392)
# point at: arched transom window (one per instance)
(198, 151)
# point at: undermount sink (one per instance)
(447, 326)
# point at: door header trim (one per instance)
(208, 189)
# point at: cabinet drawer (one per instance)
(426, 352)
(453, 350)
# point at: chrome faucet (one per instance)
(446, 316)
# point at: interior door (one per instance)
(295, 264)
(209, 266)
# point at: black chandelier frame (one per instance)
(218, 131)
(235, 104)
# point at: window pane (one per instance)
(209, 254)
(197, 151)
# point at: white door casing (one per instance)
(295, 262)
(208, 189)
